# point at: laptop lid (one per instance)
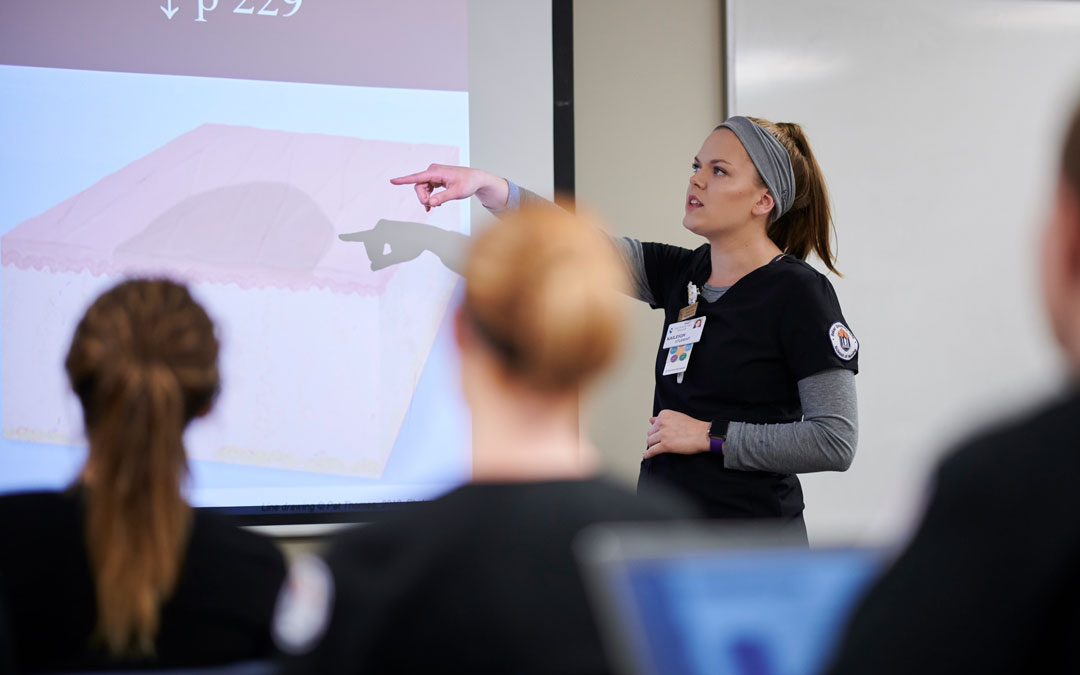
(705, 598)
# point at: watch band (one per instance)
(716, 445)
(718, 436)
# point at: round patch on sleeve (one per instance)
(843, 341)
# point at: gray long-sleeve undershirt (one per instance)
(825, 439)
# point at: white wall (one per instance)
(648, 89)
(937, 125)
(510, 85)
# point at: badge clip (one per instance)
(688, 312)
(691, 302)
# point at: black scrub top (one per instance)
(481, 580)
(775, 326)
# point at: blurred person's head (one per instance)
(727, 195)
(143, 363)
(1061, 250)
(540, 321)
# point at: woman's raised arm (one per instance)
(457, 182)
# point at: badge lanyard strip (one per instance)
(691, 300)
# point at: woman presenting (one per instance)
(764, 387)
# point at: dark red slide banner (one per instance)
(414, 44)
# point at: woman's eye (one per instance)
(717, 171)
(695, 167)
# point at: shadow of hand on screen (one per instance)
(392, 242)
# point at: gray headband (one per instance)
(770, 157)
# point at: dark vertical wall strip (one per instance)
(562, 53)
(725, 101)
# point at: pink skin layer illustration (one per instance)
(320, 354)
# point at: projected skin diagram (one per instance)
(320, 353)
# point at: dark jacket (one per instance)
(990, 583)
(220, 612)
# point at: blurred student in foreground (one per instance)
(991, 581)
(117, 570)
(483, 579)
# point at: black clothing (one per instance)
(990, 582)
(482, 580)
(6, 665)
(220, 612)
(768, 331)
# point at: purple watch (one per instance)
(717, 436)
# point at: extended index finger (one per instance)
(426, 176)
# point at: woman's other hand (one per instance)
(676, 433)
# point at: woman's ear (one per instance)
(1062, 250)
(764, 205)
(1061, 269)
(1070, 215)
(461, 328)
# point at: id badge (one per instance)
(679, 343)
(684, 332)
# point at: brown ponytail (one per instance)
(143, 363)
(807, 227)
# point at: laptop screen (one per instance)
(772, 610)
